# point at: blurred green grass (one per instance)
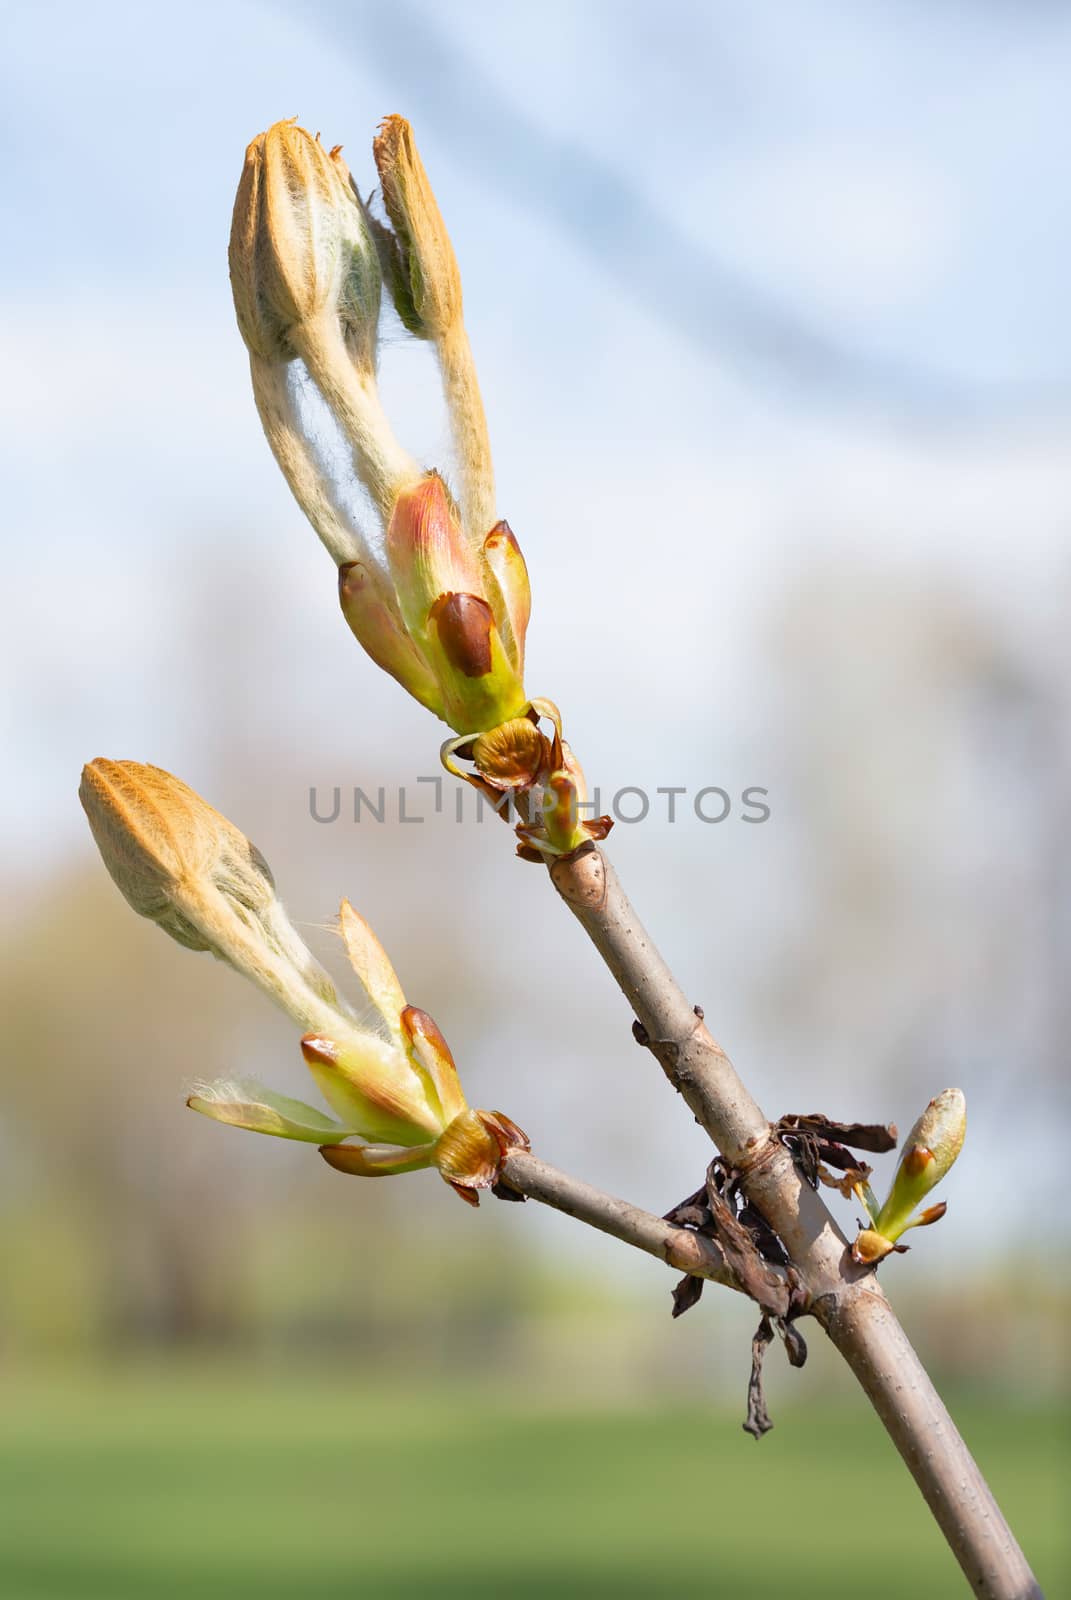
(245, 1483)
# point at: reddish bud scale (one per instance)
(916, 1160)
(452, 609)
(469, 1155)
(511, 756)
(464, 624)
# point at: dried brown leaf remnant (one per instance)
(720, 1211)
(818, 1143)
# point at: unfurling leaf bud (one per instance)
(419, 264)
(301, 245)
(447, 597)
(928, 1153)
(376, 1082)
(180, 863)
(443, 603)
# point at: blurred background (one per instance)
(769, 308)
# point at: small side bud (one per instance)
(928, 1154)
(560, 829)
(561, 812)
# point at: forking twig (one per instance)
(679, 1248)
(847, 1300)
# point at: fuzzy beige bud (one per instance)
(177, 861)
(423, 277)
(419, 259)
(301, 245)
(155, 834)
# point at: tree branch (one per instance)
(846, 1300)
(677, 1247)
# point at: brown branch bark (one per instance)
(678, 1247)
(847, 1301)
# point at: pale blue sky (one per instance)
(885, 181)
